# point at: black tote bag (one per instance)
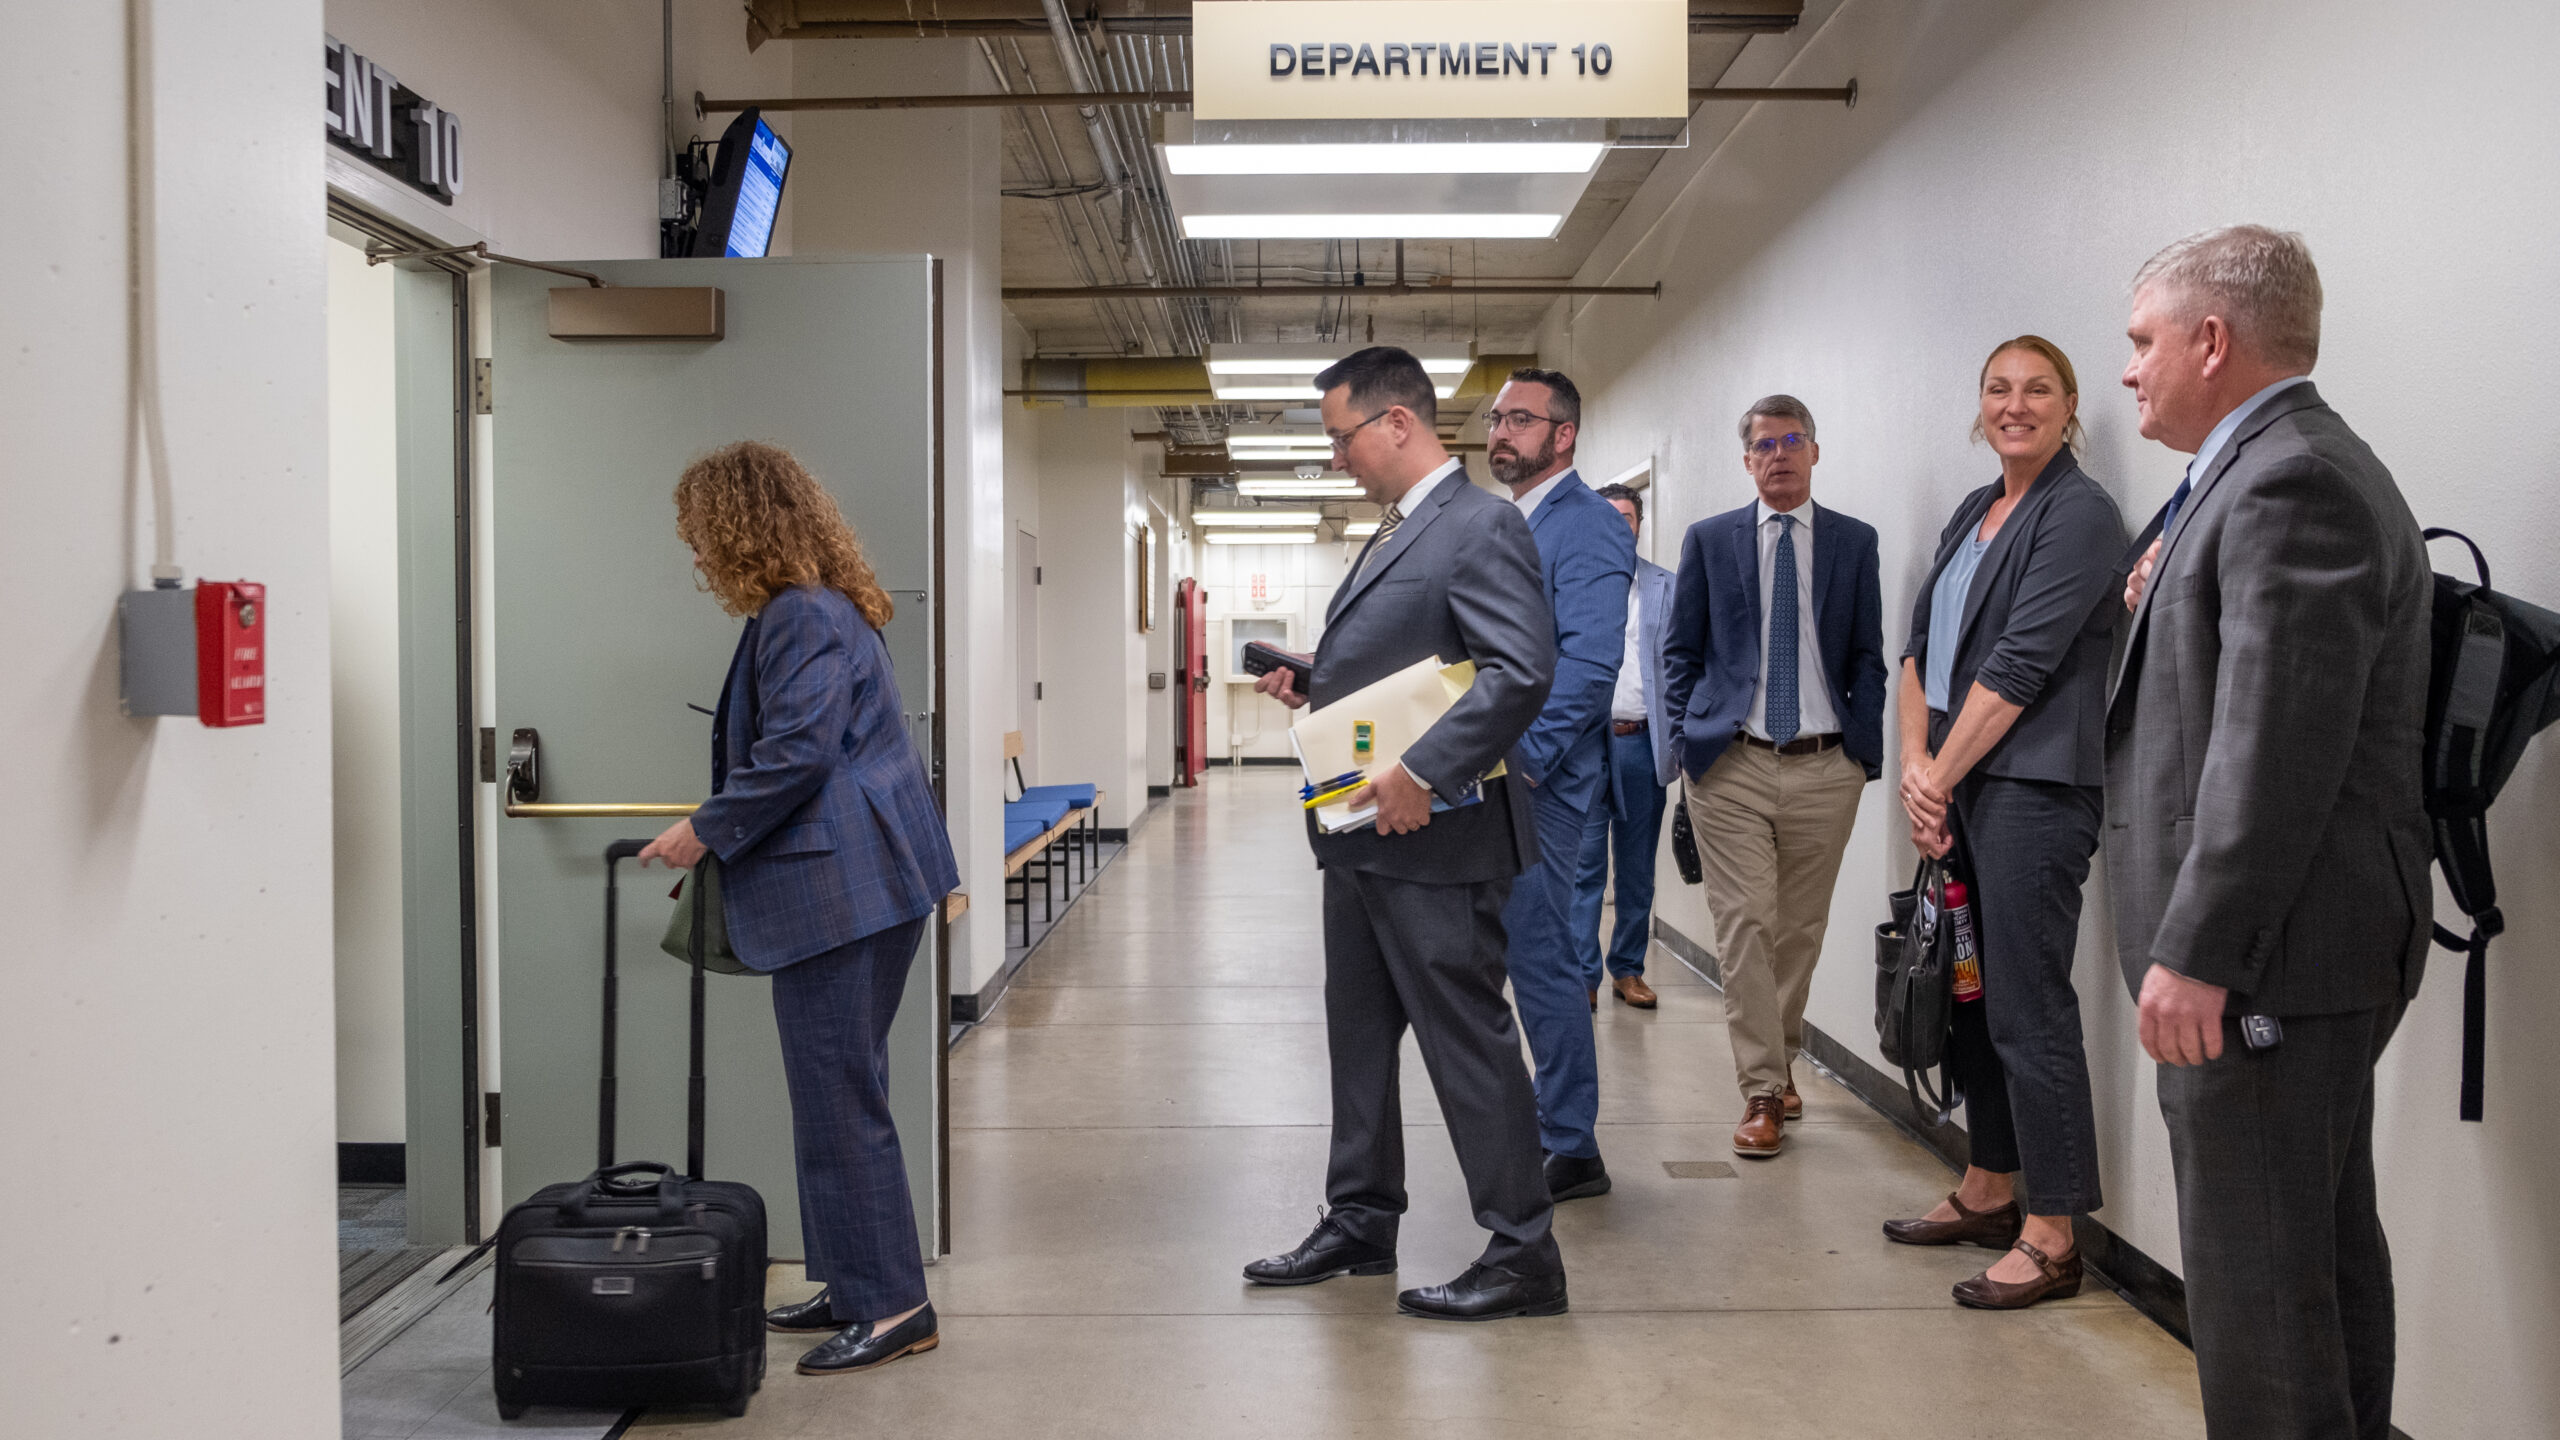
(1915, 987)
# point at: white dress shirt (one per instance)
(1529, 503)
(1814, 715)
(1627, 701)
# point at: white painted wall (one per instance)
(364, 698)
(165, 1011)
(2006, 170)
(1092, 657)
(862, 190)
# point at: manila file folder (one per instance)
(1397, 710)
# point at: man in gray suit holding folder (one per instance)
(1413, 907)
(2266, 844)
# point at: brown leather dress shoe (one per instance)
(2060, 1281)
(1795, 1102)
(1763, 1129)
(1633, 991)
(1991, 1229)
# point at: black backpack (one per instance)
(2494, 681)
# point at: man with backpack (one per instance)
(2267, 842)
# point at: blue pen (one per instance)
(1336, 783)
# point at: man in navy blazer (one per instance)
(1777, 682)
(1589, 559)
(1630, 802)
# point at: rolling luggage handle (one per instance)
(606, 1098)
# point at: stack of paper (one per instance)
(1398, 711)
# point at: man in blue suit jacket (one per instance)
(1631, 801)
(1589, 559)
(1777, 682)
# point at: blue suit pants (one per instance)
(1546, 980)
(857, 1219)
(1627, 812)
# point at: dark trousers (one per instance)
(2288, 1274)
(2024, 848)
(857, 1221)
(1399, 953)
(1627, 817)
(1546, 980)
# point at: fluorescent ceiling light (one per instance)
(1240, 440)
(1360, 529)
(1317, 226)
(1310, 489)
(1427, 158)
(1262, 537)
(1304, 390)
(1302, 457)
(1249, 362)
(1255, 517)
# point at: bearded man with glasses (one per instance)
(1775, 680)
(1587, 557)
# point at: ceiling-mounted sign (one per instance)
(394, 128)
(1439, 59)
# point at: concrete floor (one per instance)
(1145, 1111)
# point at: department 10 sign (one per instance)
(1439, 59)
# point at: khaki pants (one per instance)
(1771, 829)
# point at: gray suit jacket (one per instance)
(1653, 591)
(1459, 580)
(2039, 621)
(2264, 824)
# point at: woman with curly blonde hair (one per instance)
(832, 855)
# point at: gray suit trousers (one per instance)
(1405, 952)
(2288, 1275)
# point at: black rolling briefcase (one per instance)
(635, 1285)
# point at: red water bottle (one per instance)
(1968, 972)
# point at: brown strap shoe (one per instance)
(1633, 991)
(1763, 1129)
(1991, 1229)
(2060, 1280)
(1795, 1102)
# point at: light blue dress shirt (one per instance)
(1946, 616)
(2221, 434)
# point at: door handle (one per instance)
(524, 789)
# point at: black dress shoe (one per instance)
(806, 1317)
(1327, 1253)
(1487, 1292)
(856, 1347)
(1571, 1177)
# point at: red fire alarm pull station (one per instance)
(231, 652)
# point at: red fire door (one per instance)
(1191, 696)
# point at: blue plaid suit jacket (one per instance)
(820, 810)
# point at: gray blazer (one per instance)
(1458, 580)
(2264, 824)
(1653, 589)
(2039, 622)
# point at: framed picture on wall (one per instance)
(1146, 578)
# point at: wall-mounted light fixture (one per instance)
(1254, 518)
(1261, 537)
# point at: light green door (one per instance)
(604, 646)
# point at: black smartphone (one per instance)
(1262, 657)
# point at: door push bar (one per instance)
(524, 789)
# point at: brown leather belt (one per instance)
(1801, 745)
(1626, 727)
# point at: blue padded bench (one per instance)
(1048, 828)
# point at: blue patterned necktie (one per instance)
(1782, 716)
(2177, 502)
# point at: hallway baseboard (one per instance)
(970, 1007)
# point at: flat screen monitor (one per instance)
(746, 190)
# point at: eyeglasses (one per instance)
(1342, 442)
(1768, 445)
(1515, 420)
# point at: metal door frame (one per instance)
(466, 728)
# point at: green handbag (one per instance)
(698, 899)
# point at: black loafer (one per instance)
(1571, 1177)
(1327, 1253)
(857, 1348)
(807, 1317)
(1487, 1292)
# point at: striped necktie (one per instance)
(1378, 542)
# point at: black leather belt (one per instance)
(1801, 745)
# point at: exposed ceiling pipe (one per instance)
(1087, 102)
(1071, 57)
(1283, 292)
